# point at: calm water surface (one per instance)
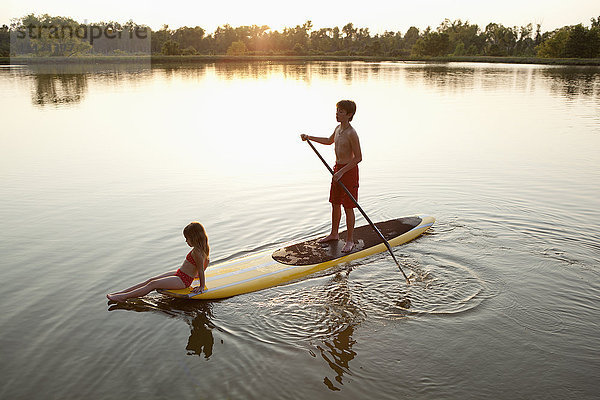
(102, 167)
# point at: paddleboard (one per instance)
(272, 268)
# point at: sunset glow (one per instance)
(378, 16)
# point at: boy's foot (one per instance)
(329, 238)
(348, 247)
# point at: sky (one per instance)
(377, 15)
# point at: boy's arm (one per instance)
(322, 140)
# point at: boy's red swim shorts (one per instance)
(337, 195)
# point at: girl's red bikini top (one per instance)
(190, 259)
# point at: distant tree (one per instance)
(525, 45)
(258, 39)
(583, 42)
(449, 38)
(322, 40)
(464, 38)
(224, 36)
(459, 49)
(171, 48)
(500, 40)
(51, 36)
(410, 38)
(576, 44)
(236, 48)
(594, 38)
(349, 34)
(553, 43)
(297, 35)
(299, 49)
(571, 42)
(432, 44)
(159, 38)
(189, 51)
(538, 35)
(189, 37)
(4, 41)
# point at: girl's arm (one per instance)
(200, 273)
(201, 277)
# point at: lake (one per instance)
(102, 166)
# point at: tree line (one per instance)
(450, 38)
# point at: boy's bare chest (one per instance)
(342, 137)
(343, 148)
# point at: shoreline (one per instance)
(163, 59)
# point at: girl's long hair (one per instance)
(196, 234)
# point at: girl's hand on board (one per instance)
(198, 290)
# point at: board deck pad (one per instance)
(312, 252)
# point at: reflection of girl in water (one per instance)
(193, 266)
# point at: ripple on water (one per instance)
(437, 287)
(299, 312)
(320, 315)
(375, 290)
(533, 317)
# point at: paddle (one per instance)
(361, 210)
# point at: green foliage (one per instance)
(459, 50)
(188, 37)
(577, 44)
(500, 40)
(45, 35)
(171, 48)
(236, 48)
(299, 49)
(432, 44)
(574, 41)
(456, 38)
(462, 32)
(4, 41)
(189, 51)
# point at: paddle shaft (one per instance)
(360, 209)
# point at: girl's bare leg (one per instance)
(168, 282)
(139, 285)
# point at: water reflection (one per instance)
(338, 315)
(293, 70)
(341, 316)
(190, 71)
(569, 82)
(201, 340)
(198, 315)
(67, 84)
(337, 354)
(573, 82)
(59, 89)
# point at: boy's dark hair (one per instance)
(347, 105)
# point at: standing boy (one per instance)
(347, 157)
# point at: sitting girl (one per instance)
(194, 265)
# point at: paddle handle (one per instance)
(360, 209)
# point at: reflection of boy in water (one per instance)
(347, 156)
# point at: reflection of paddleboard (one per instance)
(268, 269)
